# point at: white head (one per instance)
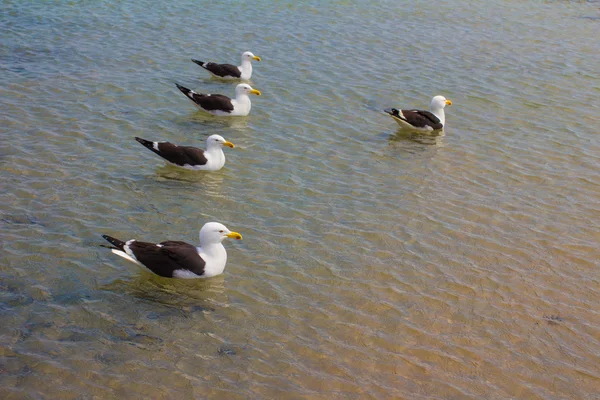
(439, 102)
(244, 88)
(214, 232)
(217, 141)
(248, 56)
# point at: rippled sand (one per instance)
(375, 264)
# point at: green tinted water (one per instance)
(375, 264)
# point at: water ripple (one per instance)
(375, 263)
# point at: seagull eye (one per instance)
(221, 231)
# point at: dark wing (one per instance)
(163, 260)
(185, 155)
(178, 155)
(223, 70)
(209, 102)
(421, 119)
(115, 242)
(181, 155)
(212, 102)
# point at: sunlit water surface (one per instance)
(375, 264)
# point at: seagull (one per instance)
(420, 120)
(211, 159)
(220, 105)
(175, 259)
(229, 71)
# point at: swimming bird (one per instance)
(229, 71)
(211, 159)
(175, 259)
(422, 120)
(220, 105)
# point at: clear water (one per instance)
(374, 264)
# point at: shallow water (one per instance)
(375, 264)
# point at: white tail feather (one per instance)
(126, 256)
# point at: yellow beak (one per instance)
(228, 144)
(448, 102)
(256, 92)
(257, 58)
(234, 235)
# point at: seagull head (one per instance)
(218, 140)
(244, 88)
(439, 102)
(247, 55)
(214, 232)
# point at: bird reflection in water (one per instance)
(198, 125)
(177, 295)
(403, 143)
(210, 181)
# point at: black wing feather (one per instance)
(212, 102)
(178, 155)
(182, 155)
(223, 70)
(170, 256)
(422, 119)
(115, 242)
(209, 102)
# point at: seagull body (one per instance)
(192, 158)
(220, 105)
(420, 120)
(176, 259)
(229, 71)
